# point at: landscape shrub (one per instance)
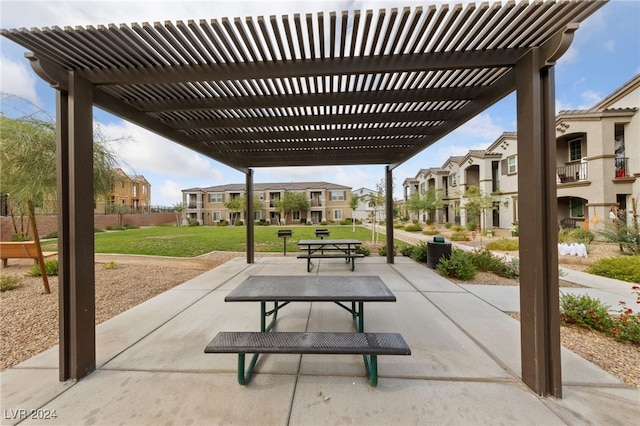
(406, 250)
(459, 236)
(51, 235)
(363, 250)
(471, 226)
(413, 228)
(419, 252)
(584, 311)
(239, 223)
(431, 230)
(382, 251)
(50, 266)
(448, 225)
(222, 222)
(625, 268)
(345, 222)
(582, 236)
(485, 261)
(503, 244)
(398, 226)
(459, 265)
(9, 282)
(624, 326)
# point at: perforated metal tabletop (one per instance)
(283, 288)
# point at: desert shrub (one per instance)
(50, 266)
(511, 269)
(503, 244)
(563, 236)
(363, 250)
(414, 221)
(406, 250)
(471, 226)
(448, 225)
(625, 268)
(382, 251)
(9, 282)
(457, 228)
(485, 261)
(459, 265)
(584, 311)
(398, 226)
(431, 230)
(581, 236)
(459, 236)
(624, 326)
(419, 252)
(413, 228)
(109, 265)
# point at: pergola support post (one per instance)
(250, 224)
(76, 229)
(389, 213)
(537, 207)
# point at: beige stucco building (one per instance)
(599, 157)
(131, 192)
(327, 202)
(598, 167)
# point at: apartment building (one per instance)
(598, 167)
(133, 192)
(366, 210)
(327, 202)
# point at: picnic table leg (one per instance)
(371, 366)
(243, 378)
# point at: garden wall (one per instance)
(49, 224)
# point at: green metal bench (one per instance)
(369, 345)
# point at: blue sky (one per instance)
(604, 55)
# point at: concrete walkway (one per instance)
(464, 368)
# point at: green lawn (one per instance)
(197, 240)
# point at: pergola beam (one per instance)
(306, 67)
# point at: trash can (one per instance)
(437, 249)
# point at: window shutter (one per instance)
(504, 167)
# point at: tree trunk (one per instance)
(36, 239)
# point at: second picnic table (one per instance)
(340, 249)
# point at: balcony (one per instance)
(572, 173)
(315, 203)
(191, 206)
(621, 167)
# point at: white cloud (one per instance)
(16, 79)
(481, 126)
(589, 99)
(610, 45)
(147, 152)
(170, 192)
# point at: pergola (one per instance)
(347, 88)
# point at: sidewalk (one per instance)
(608, 290)
(464, 368)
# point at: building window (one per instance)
(337, 215)
(215, 197)
(454, 179)
(512, 165)
(576, 206)
(296, 215)
(217, 216)
(337, 195)
(575, 149)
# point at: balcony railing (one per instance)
(315, 203)
(191, 206)
(572, 173)
(621, 167)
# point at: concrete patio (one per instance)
(464, 368)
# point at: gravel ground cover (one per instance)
(30, 319)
